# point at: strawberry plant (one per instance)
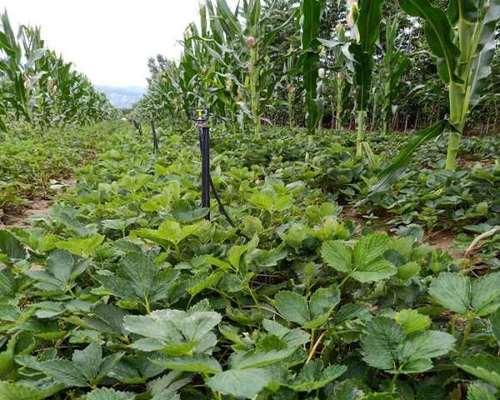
(123, 290)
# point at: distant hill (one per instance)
(122, 97)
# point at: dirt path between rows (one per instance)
(38, 207)
(442, 240)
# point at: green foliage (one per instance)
(364, 262)
(28, 391)
(39, 87)
(462, 40)
(61, 272)
(245, 383)
(137, 278)
(387, 347)
(480, 391)
(461, 295)
(176, 333)
(366, 17)
(87, 367)
(482, 366)
(147, 300)
(311, 19)
(108, 394)
(312, 314)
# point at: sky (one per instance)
(108, 40)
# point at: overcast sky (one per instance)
(108, 40)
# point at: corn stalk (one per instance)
(463, 41)
(394, 64)
(342, 68)
(253, 43)
(311, 19)
(38, 87)
(365, 18)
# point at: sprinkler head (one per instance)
(201, 117)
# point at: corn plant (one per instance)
(365, 18)
(39, 87)
(394, 64)
(463, 41)
(341, 68)
(231, 63)
(13, 70)
(311, 18)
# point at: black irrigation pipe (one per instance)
(156, 144)
(222, 209)
(137, 126)
(206, 178)
(204, 137)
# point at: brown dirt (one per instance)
(37, 207)
(350, 213)
(443, 241)
(469, 163)
(380, 223)
(21, 218)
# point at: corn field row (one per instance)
(39, 88)
(364, 65)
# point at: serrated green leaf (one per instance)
(385, 346)
(412, 321)
(417, 350)
(314, 376)
(106, 318)
(452, 291)
(459, 294)
(381, 343)
(61, 271)
(408, 270)
(171, 232)
(243, 383)
(486, 294)
(63, 371)
(323, 300)
(495, 324)
(365, 263)
(201, 364)
(166, 387)
(482, 366)
(293, 307)
(337, 255)
(87, 367)
(108, 394)
(10, 246)
(260, 358)
(135, 369)
(173, 331)
(137, 277)
(83, 247)
(481, 391)
(28, 391)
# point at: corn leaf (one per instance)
(394, 170)
(439, 35)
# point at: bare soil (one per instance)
(443, 241)
(21, 219)
(37, 207)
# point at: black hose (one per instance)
(219, 202)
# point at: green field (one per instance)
(351, 247)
